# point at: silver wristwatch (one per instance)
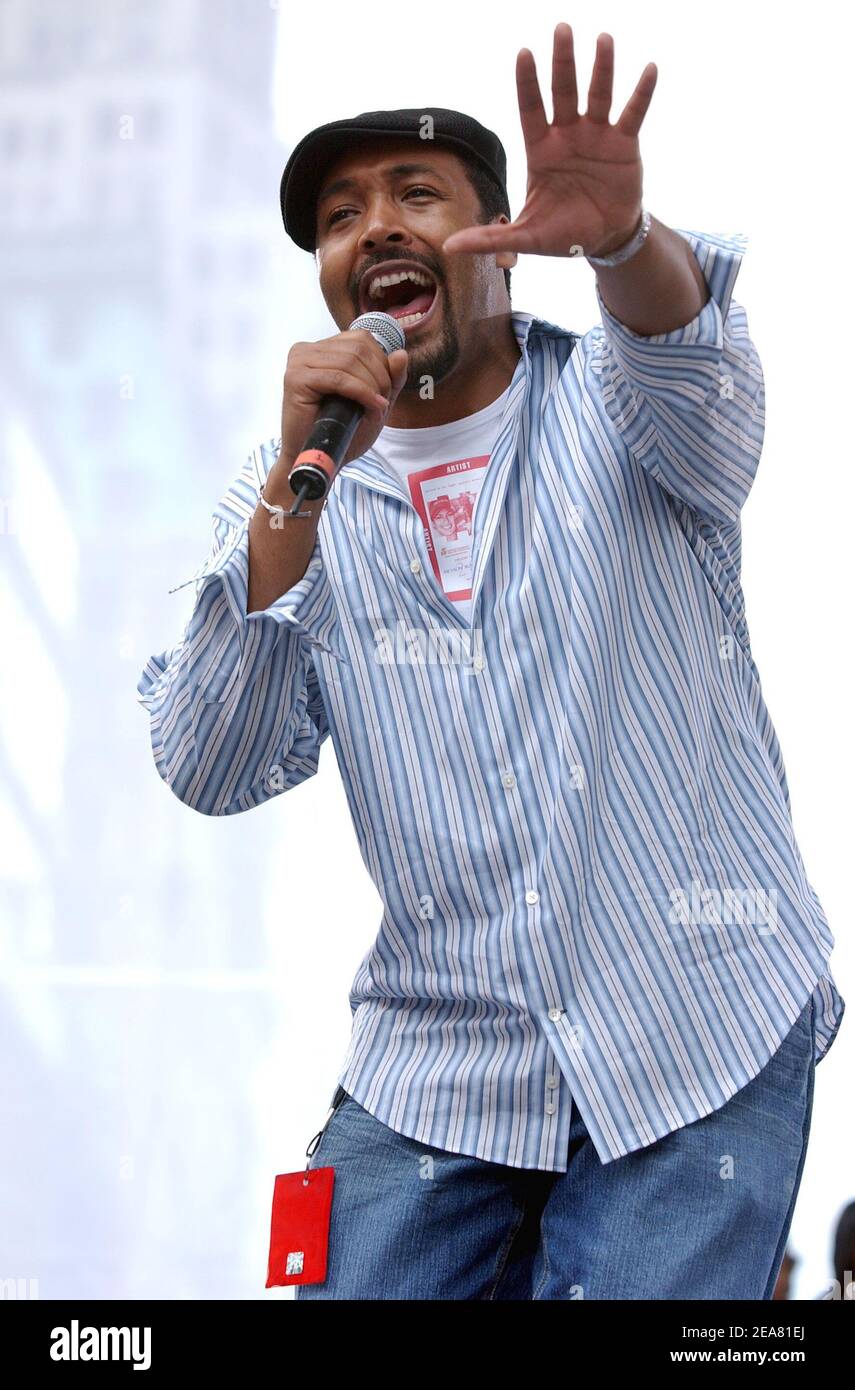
(629, 248)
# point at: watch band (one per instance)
(628, 249)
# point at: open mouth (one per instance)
(407, 292)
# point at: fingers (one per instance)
(514, 238)
(360, 353)
(636, 108)
(565, 98)
(496, 236)
(600, 90)
(532, 115)
(397, 362)
(327, 381)
(360, 374)
(391, 367)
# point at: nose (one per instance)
(382, 226)
(377, 235)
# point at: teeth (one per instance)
(381, 282)
(409, 319)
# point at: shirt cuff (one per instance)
(719, 256)
(304, 608)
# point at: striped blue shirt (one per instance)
(574, 805)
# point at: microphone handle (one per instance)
(316, 465)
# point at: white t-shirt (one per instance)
(442, 468)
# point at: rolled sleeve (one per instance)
(690, 402)
(236, 711)
(305, 607)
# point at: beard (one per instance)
(436, 357)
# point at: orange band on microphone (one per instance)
(318, 459)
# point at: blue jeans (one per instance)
(703, 1213)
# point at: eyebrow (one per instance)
(395, 172)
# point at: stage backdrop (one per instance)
(173, 1011)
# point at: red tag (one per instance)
(300, 1227)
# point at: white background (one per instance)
(174, 987)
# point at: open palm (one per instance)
(584, 187)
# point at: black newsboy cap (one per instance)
(310, 159)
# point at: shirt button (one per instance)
(478, 663)
(531, 896)
(554, 1015)
(550, 1109)
(416, 566)
(552, 1081)
(509, 779)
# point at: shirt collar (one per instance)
(368, 468)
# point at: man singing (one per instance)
(584, 1041)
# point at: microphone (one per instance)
(314, 468)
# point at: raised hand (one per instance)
(584, 189)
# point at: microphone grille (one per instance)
(386, 329)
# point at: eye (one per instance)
(419, 188)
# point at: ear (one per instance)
(505, 260)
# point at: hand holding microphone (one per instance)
(337, 393)
(330, 415)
